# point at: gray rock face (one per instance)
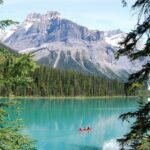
(50, 27)
(61, 43)
(113, 33)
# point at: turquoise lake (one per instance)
(54, 123)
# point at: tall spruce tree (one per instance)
(138, 138)
(13, 72)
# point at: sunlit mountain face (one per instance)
(61, 43)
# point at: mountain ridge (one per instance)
(61, 43)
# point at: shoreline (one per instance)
(67, 97)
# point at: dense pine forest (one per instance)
(53, 82)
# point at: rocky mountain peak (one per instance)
(36, 16)
(53, 14)
(40, 29)
(32, 16)
(111, 33)
(62, 43)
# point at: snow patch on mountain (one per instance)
(61, 43)
(28, 25)
(115, 39)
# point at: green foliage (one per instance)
(139, 136)
(1, 2)
(11, 51)
(10, 137)
(52, 82)
(130, 42)
(6, 23)
(14, 72)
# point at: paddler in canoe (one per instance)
(88, 129)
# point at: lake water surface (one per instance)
(54, 123)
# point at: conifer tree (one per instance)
(138, 138)
(13, 72)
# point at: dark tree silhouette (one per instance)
(138, 138)
(128, 45)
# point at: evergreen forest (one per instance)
(54, 82)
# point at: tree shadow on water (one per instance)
(83, 147)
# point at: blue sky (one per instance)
(94, 14)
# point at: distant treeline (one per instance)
(54, 82)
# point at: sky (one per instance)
(94, 14)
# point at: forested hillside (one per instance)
(11, 51)
(54, 82)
